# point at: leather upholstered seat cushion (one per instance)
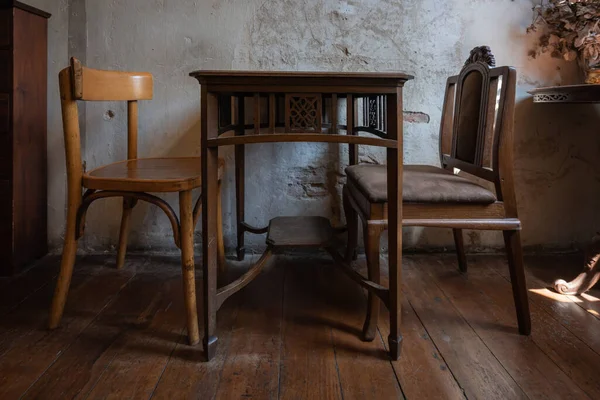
(421, 184)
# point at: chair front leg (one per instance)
(66, 266)
(128, 205)
(352, 226)
(512, 240)
(187, 264)
(460, 249)
(372, 234)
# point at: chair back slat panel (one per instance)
(467, 118)
(80, 83)
(475, 101)
(447, 123)
(480, 172)
(506, 102)
(492, 118)
(99, 85)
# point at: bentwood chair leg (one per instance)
(352, 226)
(460, 249)
(187, 264)
(66, 269)
(128, 205)
(220, 244)
(512, 240)
(372, 234)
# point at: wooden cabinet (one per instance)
(23, 104)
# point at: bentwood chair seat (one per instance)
(476, 137)
(148, 175)
(133, 180)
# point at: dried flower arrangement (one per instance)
(572, 32)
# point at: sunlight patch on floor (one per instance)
(555, 296)
(589, 297)
(593, 312)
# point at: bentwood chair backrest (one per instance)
(80, 83)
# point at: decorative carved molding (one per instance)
(481, 54)
(303, 112)
(551, 98)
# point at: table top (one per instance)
(305, 78)
(585, 93)
(301, 74)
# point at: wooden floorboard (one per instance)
(421, 369)
(475, 367)
(186, 375)
(474, 294)
(552, 333)
(31, 349)
(308, 354)
(294, 334)
(364, 368)
(566, 309)
(77, 370)
(251, 369)
(138, 356)
(13, 291)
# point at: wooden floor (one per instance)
(292, 334)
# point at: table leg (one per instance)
(240, 176)
(588, 277)
(394, 182)
(350, 122)
(239, 199)
(210, 161)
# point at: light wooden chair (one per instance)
(477, 138)
(131, 179)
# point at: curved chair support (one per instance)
(80, 228)
(252, 229)
(227, 291)
(91, 195)
(372, 131)
(197, 210)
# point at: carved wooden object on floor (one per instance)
(129, 179)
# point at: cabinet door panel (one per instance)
(6, 239)
(5, 71)
(5, 27)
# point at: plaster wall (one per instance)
(557, 168)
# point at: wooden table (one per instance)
(301, 107)
(574, 94)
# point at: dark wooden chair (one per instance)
(476, 138)
(131, 180)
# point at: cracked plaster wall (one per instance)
(557, 168)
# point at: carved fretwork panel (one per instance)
(373, 112)
(551, 98)
(303, 112)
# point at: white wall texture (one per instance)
(557, 168)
